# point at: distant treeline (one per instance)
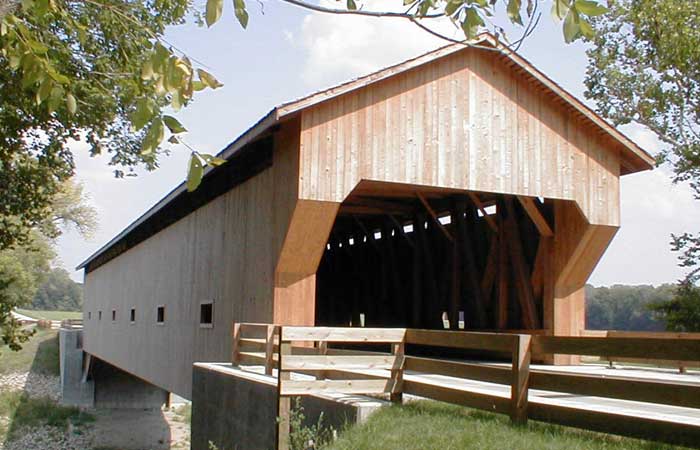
(58, 293)
(621, 307)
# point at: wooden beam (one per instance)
(470, 266)
(491, 270)
(503, 281)
(435, 217)
(520, 270)
(536, 216)
(480, 206)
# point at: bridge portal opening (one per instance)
(423, 257)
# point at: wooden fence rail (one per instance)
(321, 369)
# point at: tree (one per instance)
(682, 313)
(24, 268)
(58, 292)
(621, 307)
(644, 67)
(21, 271)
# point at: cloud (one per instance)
(341, 47)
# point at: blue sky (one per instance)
(287, 52)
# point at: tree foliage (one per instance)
(26, 267)
(58, 292)
(21, 271)
(626, 308)
(91, 70)
(644, 67)
(682, 312)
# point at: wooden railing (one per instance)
(72, 324)
(255, 344)
(322, 369)
(681, 365)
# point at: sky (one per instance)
(287, 52)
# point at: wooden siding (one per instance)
(466, 121)
(226, 250)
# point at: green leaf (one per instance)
(37, 47)
(560, 8)
(57, 77)
(153, 138)
(351, 5)
(514, 11)
(173, 139)
(195, 173)
(174, 125)
(212, 160)
(214, 10)
(208, 79)
(590, 8)
(571, 26)
(472, 22)
(586, 29)
(142, 114)
(408, 2)
(241, 13)
(452, 6)
(71, 103)
(44, 90)
(147, 70)
(198, 85)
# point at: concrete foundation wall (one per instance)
(74, 391)
(234, 409)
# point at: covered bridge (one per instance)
(459, 189)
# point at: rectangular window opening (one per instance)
(132, 315)
(160, 314)
(89, 315)
(114, 315)
(99, 315)
(206, 314)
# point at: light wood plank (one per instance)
(333, 362)
(313, 387)
(338, 334)
(458, 339)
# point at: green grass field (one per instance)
(428, 425)
(51, 315)
(39, 354)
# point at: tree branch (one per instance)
(359, 12)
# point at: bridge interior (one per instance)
(424, 257)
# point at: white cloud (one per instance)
(341, 47)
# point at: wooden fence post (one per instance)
(322, 350)
(398, 351)
(269, 349)
(520, 378)
(284, 403)
(235, 343)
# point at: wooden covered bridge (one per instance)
(462, 189)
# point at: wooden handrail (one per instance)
(346, 371)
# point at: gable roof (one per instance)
(633, 157)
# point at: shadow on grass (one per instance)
(25, 411)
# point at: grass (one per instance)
(24, 411)
(428, 425)
(51, 315)
(184, 413)
(39, 355)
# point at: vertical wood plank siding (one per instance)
(226, 250)
(466, 121)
